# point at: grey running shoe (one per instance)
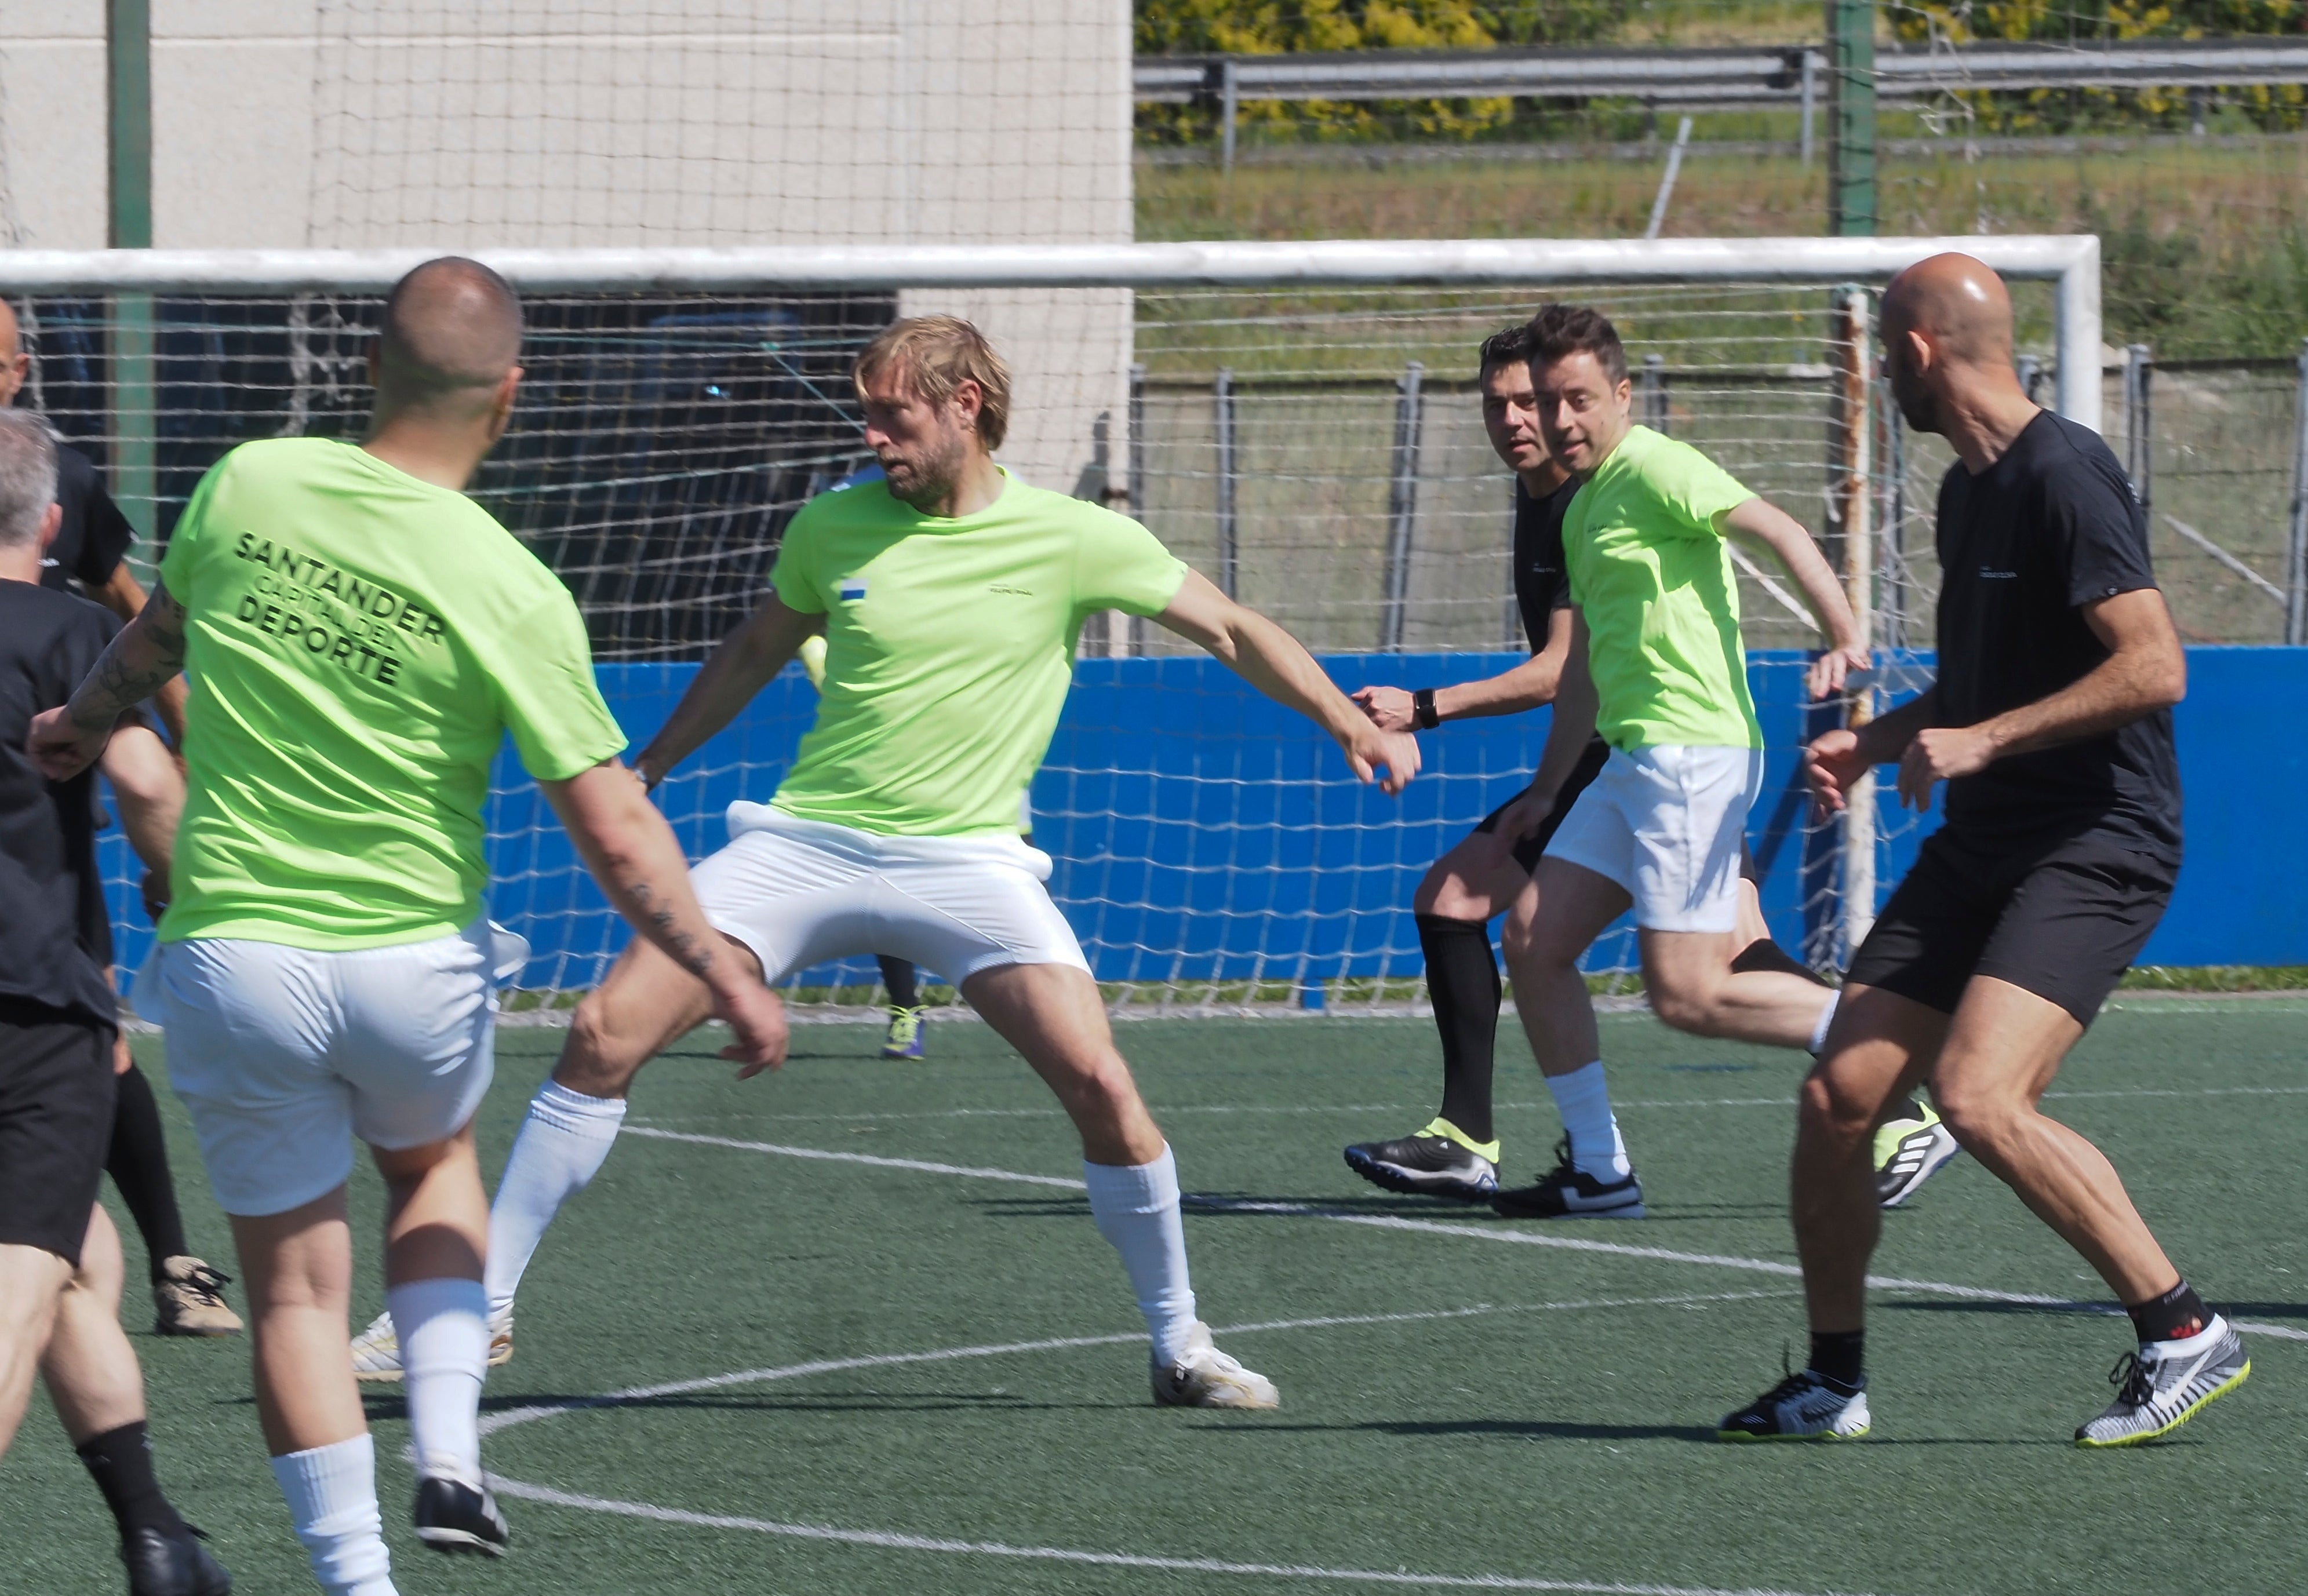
(1437, 1162)
(1806, 1406)
(1205, 1377)
(2165, 1384)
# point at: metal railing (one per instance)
(1706, 77)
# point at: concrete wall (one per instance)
(345, 123)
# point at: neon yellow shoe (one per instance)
(907, 1033)
(1909, 1150)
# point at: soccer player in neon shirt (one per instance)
(951, 595)
(360, 638)
(1658, 666)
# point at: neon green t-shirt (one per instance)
(950, 645)
(1643, 543)
(357, 644)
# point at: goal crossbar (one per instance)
(2071, 262)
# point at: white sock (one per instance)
(1826, 1018)
(1585, 1103)
(1136, 1206)
(443, 1329)
(332, 1492)
(561, 1147)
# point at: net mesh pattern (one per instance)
(1323, 453)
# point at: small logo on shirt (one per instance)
(1021, 592)
(853, 589)
(1997, 576)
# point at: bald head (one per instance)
(1956, 303)
(451, 334)
(1947, 347)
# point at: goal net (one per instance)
(1300, 423)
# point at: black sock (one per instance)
(1763, 954)
(120, 1462)
(2177, 1313)
(138, 1163)
(898, 975)
(1463, 978)
(1838, 1355)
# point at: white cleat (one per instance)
(1205, 1377)
(376, 1350)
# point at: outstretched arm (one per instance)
(632, 853)
(1278, 664)
(726, 682)
(1528, 685)
(1764, 522)
(147, 652)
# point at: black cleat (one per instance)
(1806, 1406)
(1569, 1192)
(455, 1517)
(1437, 1162)
(163, 1563)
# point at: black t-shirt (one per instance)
(2049, 527)
(94, 535)
(1542, 583)
(55, 939)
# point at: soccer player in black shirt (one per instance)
(1457, 1154)
(2051, 725)
(87, 556)
(60, 1263)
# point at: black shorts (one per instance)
(2063, 919)
(1582, 775)
(55, 1125)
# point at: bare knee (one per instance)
(1830, 1112)
(1980, 1118)
(603, 1052)
(1685, 1005)
(102, 1273)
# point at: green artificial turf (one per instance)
(1559, 1427)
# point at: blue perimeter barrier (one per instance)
(1203, 833)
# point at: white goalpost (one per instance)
(1297, 419)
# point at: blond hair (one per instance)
(934, 355)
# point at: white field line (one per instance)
(1171, 1110)
(1500, 1234)
(1058, 1554)
(493, 1423)
(887, 1540)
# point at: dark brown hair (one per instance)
(1561, 329)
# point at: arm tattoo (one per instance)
(683, 948)
(148, 651)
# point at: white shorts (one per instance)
(284, 1055)
(1666, 823)
(802, 892)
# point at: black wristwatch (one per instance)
(1422, 709)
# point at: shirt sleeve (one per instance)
(791, 575)
(1120, 565)
(541, 673)
(180, 562)
(105, 537)
(2101, 534)
(1696, 493)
